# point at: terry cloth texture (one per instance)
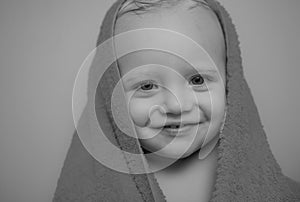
(247, 169)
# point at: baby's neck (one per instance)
(185, 165)
(190, 177)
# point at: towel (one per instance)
(246, 170)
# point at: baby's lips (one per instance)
(175, 123)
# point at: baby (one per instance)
(188, 104)
(176, 108)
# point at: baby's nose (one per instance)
(178, 101)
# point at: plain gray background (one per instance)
(43, 43)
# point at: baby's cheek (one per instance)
(204, 103)
(217, 116)
(219, 102)
(212, 102)
(139, 111)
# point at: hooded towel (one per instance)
(246, 171)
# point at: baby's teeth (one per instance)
(174, 126)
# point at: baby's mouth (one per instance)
(177, 126)
(177, 129)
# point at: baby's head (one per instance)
(172, 103)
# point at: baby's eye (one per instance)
(197, 80)
(147, 86)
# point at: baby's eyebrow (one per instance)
(136, 76)
(207, 71)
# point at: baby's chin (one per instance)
(200, 152)
(171, 151)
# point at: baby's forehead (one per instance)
(151, 61)
(186, 12)
(163, 65)
(198, 24)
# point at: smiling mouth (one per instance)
(177, 129)
(173, 126)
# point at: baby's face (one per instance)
(164, 91)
